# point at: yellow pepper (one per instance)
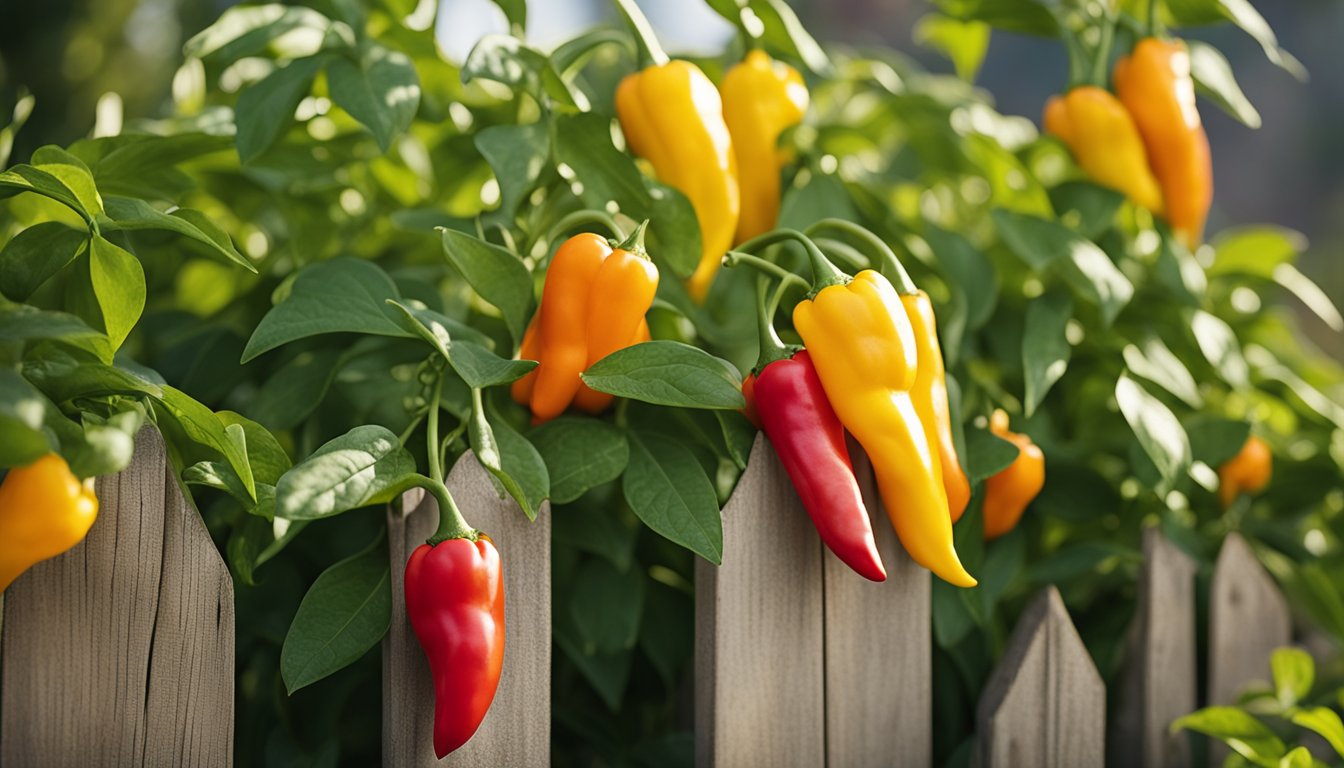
(931, 403)
(1100, 133)
(672, 116)
(44, 510)
(863, 346)
(761, 99)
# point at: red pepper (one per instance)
(810, 442)
(455, 600)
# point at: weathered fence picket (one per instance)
(1158, 683)
(120, 652)
(1044, 705)
(517, 730)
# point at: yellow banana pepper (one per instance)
(44, 510)
(672, 116)
(761, 99)
(1100, 133)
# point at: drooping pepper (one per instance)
(863, 346)
(1247, 472)
(1105, 142)
(454, 590)
(1154, 84)
(672, 116)
(592, 304)
(810, 442)
(1008, 493)
(930, 396)
(761, 99)
(44, 511)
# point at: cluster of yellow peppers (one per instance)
(1146, 140)
(44, 511)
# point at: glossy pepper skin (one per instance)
(44, 511)
(1008, 493)
(1247, 472)
(672, 116)
(455, 600)
(810, 442)
(1154, 84)
(592, 304)
(930, 396)
(761, 99)
(1105, 142)
(863, 346)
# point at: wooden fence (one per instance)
(121, 651)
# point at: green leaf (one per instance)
(1310, 294)
(1214, 79)
(296, 389)
(244, 31)
(1249, 737)
(1214, 440)
(366, 465)
(1156, 427)
(987, 454)
(1294, 674)
(667, 488)
(493, 272)
(1255, 250)
(478, 366)
(516, 12)
(128, 213)
(505, 59)
(22, 412)
(35, 254)
(668, 373)
(119, 285)
(964, 42)
(580, 454)
(1154, 361)
(1043, 244)
(781, 30)
(1029, 17)
(342, 295)
(217, 475)
(381, 90)
(518, 154)
(26, 178)
(202, 426)
(1086, 207)
(606, 604)
(1325, 722)
(66, 374)
(1220, 347)
(265, 455)
(510, 458)
(72, 172)
(346, 612)
(266, 108)
(1045, 349)
(26, 323)
(1244, 15)
(739, 435)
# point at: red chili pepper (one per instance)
(810, 442)
(455, 600)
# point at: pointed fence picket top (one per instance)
(1044, 705)
(1159, 678)
(120, 651)
(517, 730)
(759, 690)
(879, 686)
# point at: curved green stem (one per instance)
(771, 346)
(452, 525)
(824, 273)
(432, 434)
(1103, 56)
(877, 247)
(737, 258)
(651, 51)
(577, 219)
(844, 253)
(1153, 23)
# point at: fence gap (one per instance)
(517, 730)
(1158, 683)
(120, 651)
(1044, 705)
(879, 685)
(759, 692)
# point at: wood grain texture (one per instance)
(879, 685)
(1159, 677)
(759, 691)
(517, 730)
(1044, 706)
(120, 651)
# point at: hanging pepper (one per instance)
(1247, 472)
(44, 511)
(761, 99)
(930, 396)
(455, 601)
(1154, 84)
(592, 304)
(863, 345)
(1008, 493)
(810, 442)
(672, 116)
(1100, 133)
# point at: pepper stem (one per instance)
(824, 273)
(452, 525)
(586, 216)
(650, 50)
(771, 346)
(432, 434)
(900, 278)
(1103, 56)
(635, 242)
(738, 258)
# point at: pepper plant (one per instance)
(314, 269)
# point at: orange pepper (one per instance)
(930, 396)
(1247, 472)
(1008, 493)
